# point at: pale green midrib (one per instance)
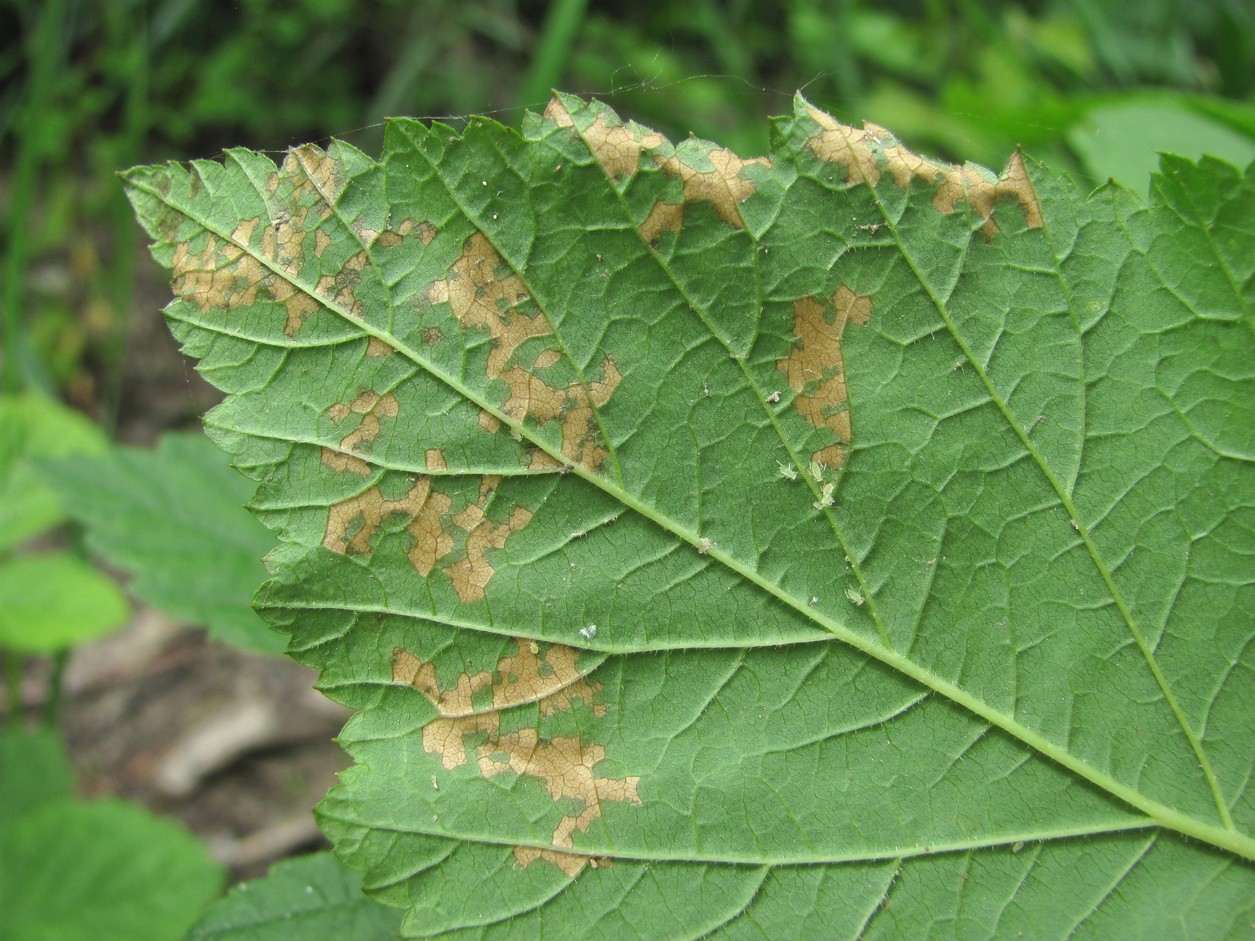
(595, 645)
(1164, 815)
(1065, 498)
(514, 471)
(1002, 840)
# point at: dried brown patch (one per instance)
(434, 458)
(378, 349)
(816, 368)
(311, 166)
(372, 407)
(435, 532)
(869, 151)
(564, 764)
(259, 262)
(486, 295)
(341, 287)
(489, 422)
(723, 186)
(570, 863)
(663, 217)
(471, 574)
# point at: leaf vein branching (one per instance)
(1086, 536)
(1110, 889)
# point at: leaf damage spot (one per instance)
(815, 367)
(470, 575)
(485, 294)
(869, 151)
(570, 863)
(721, 184)
(265, 262)
(706, 173)
(469, 729)
(435, 530)
(372, 407)
(616, 146)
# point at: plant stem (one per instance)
(52, 708)
(13, 687)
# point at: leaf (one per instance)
(1121, 140)
(175, 517)
(34, 770)
(836, 543)
(104, 870)
(33, 427)
(53, 601)
(311, 897)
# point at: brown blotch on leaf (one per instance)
(341, 288)
(483, 293)
(616, 147)
(320, 170)
(663, 217)
(470, 575)
(723, 186)
(869, 151)
(815, 367)
(434, 459)
(434, 531)
(378, 349)
(570, 863)
(564, 764)
(266, 262)
(352, 523)
(372, 407)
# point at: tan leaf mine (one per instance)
(869, 151)
(471, 574)
(723, 186)
(353, 523)
(484, 294)
(564, 764)
(371, 406)
(265, 262)
(815, 367)
(617, 147)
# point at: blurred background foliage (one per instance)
(1092, 87)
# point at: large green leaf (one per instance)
(104, 870)
(32, 427)
(53, 601)
(175, 517)
(830, 544)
